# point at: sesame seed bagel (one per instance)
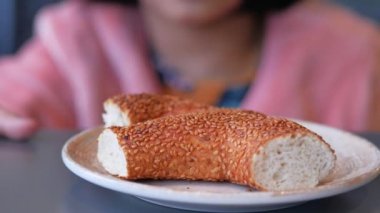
(242, 147)
(123, 110)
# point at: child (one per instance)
(299, 59)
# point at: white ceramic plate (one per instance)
(358, 162)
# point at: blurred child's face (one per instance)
(192, 11)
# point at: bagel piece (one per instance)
(123, 110)
(242, 147)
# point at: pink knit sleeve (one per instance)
(319, 63)
(67, 33)
(375, 112)
(31, 93)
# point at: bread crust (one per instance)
(143, 107)
(212, 145)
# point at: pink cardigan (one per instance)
(319, 63)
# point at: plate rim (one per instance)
(249, 198)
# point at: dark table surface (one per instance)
(34, 179)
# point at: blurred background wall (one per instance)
(16, 18)
(16, 22)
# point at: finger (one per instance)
(16, 127)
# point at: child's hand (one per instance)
(16, 127)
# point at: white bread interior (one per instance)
(114, 116)
(292, 163)
(110, 154)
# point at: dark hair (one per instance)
(126, 2)
(261, 8)
(264, 6)
(257, 6)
